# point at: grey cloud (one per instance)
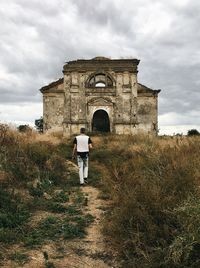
(37, 37)
(108, 14)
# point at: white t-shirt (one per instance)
(82, 142)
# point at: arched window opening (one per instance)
(100, 80)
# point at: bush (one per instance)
(13, 215)
(193, 132)
(12, 211)
(39, 123)
(24, 128)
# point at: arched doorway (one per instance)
(100, 121)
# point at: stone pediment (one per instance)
(56, 86)
(101, 101)
(146, 90)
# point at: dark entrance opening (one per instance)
(100, 121)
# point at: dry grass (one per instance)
(35, 176)
(53, 138)
(154, 186)
(30, 136)
(152, 183)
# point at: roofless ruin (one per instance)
(100, 94)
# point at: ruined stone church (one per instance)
(102, 95)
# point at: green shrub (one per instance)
(12, 211)
(24, 128)
(13, 216)
(56, 207)
(10, 235)
(33, 238)
(36, 191)
(61, 197)
(193, 132)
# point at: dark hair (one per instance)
(82, 130)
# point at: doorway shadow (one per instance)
(100, 121)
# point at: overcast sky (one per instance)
(38, 36)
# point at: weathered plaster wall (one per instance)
(53, 107)
(71, 104)
(147, 113)
(53, 111)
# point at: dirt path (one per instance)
(91, 251)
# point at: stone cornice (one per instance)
(100, 91)
(116, 65)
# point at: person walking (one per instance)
(82, 144)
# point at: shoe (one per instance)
(85, 180)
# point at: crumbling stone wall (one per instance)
(100, 84)
(53, 107)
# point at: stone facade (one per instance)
(100, 94)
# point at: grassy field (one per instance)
(40, 197)
(152, 185)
